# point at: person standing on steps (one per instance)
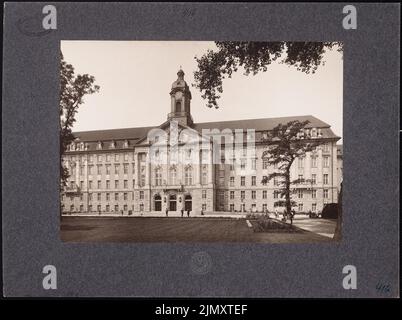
(167, 212)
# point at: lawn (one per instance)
(141, 229)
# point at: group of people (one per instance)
(182, 212)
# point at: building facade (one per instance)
(181, 164)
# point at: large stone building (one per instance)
(181, 164)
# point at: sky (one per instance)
(135, 79)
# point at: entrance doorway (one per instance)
(188, 203)
(172, 202)
(158, 203)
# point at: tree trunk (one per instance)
(338, 229)
(287, 195)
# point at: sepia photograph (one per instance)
(201, 141)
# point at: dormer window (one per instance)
(113, 145)
(99, 145)
(125, 145)
(72, 146)
(314, 133)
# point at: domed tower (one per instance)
(180, 96)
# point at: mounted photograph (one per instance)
(201, 141)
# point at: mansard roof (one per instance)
(135, 134)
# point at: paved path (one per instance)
(323, 227)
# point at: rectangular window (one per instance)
(300, 207)
(125, 168)
(125, 195)
(325, 178)
(314, 207)
(325, 193)
(90, 208)
(90, 196)
(243, 194)
(107, 196)
(125, 207)
(116, 184)
(99, 208)
(82, 185)
(99, 168)
(99, 197)
(141, 195)
(325, 147)
(265, 163)
(264, 194)
(253, 164)
(232, 195)
(326, 161)
(126, 157)
(90, 184)
(107, 208)
(300, 178)
(90, 158)
(204, 194)
(90, 169)
(116, 208)
(81, 208)
(100, 158)
(116, 168)
(72, 208)
(264, 180)
(108, 157)
(99, 184)
(314, 161)
(253, 180)
(313, 178)
(276, 193)
(253, 194)
(116, 196)
(300, 163)
(204, 207)
(108, 169)
(125, 184)
(232, 181)
(314, 194)
(276, 182)
(300, 193)
(242, 181)
(242, 164)
(107, 184)
(264, 207)
(232, 207)
(116, 157)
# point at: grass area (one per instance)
(172, 229)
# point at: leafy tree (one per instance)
(72, 90)
(254, 57)
(285, 143)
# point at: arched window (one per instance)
(188, 176)
(178, 106)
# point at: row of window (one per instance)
(276, 181)
(100, 157)
(276, 194)
(300, 207)
(99, 169)
(98, 208)
(99, 184)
